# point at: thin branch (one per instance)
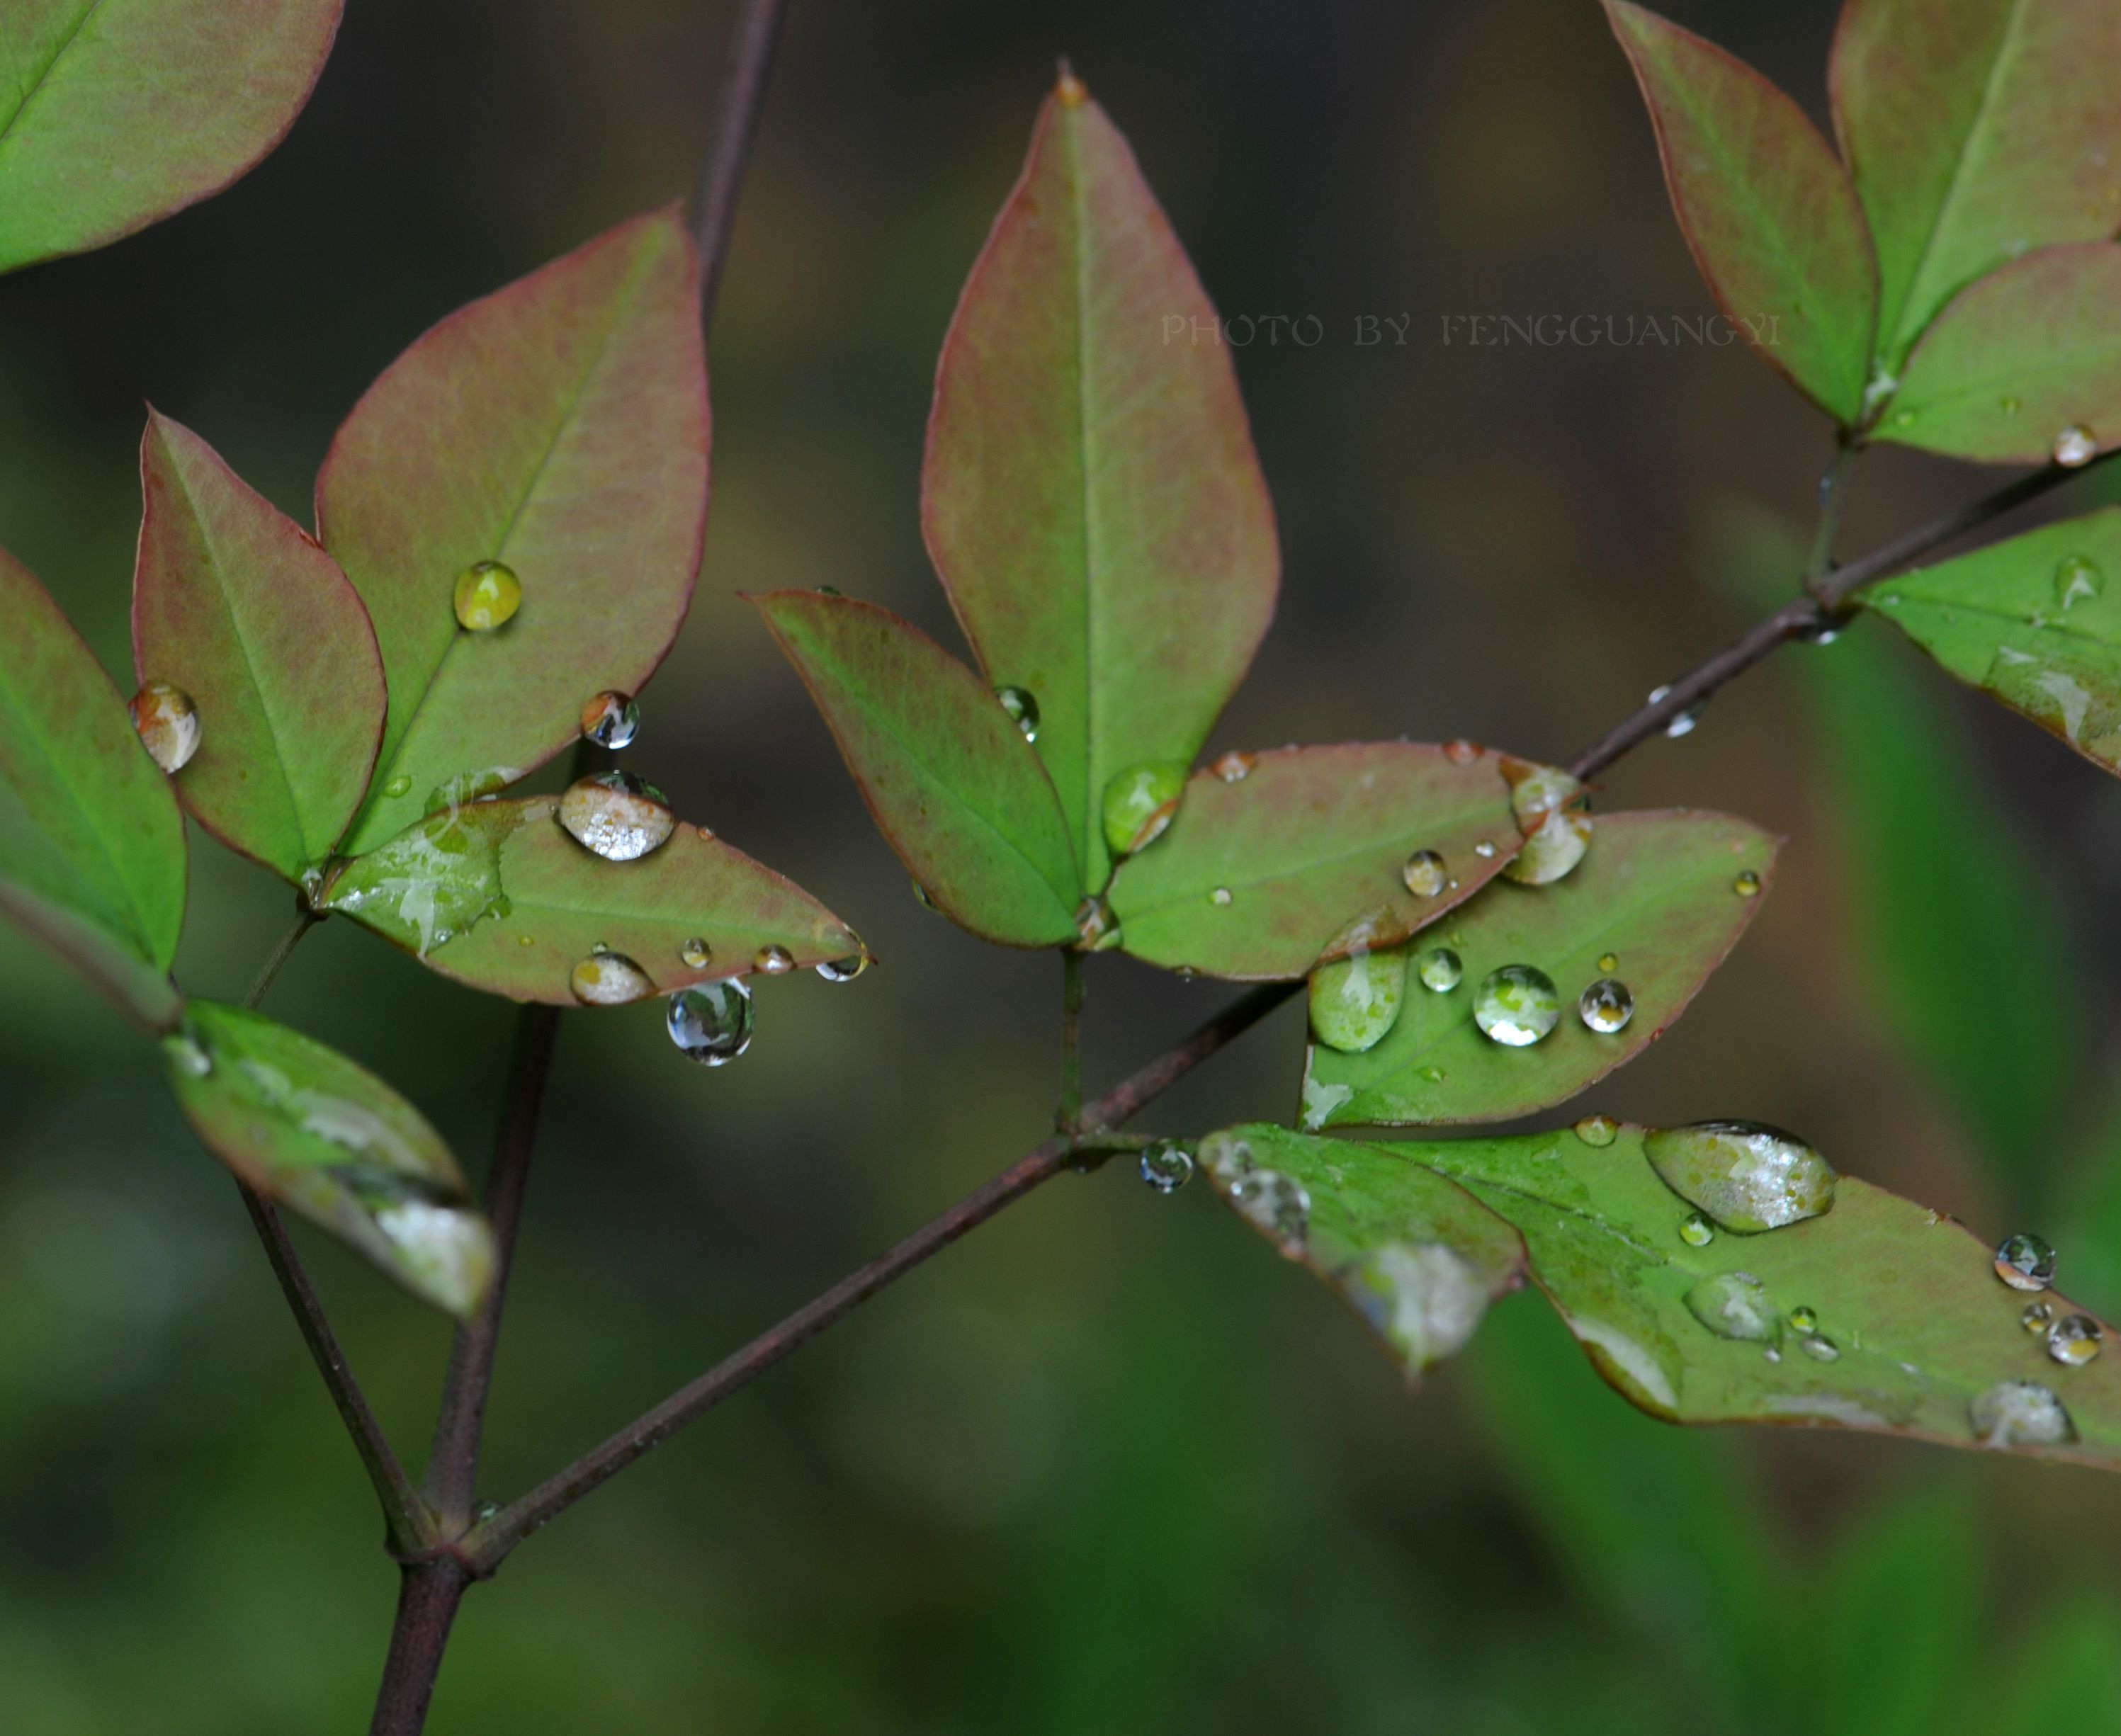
(304, 920)
(1071, 1112)
(427, 1600)
(484, 1549)
(751, 58)
(1833, 500)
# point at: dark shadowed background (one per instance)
(1110, 1466)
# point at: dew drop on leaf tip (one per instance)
(167, 723)
(2025, 1261)
(617, 815)
(1517, 1006)
(1023, 708)
(611, 719)
(1166, 1165)
(711, 1024)
(487, 595)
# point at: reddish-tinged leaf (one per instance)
(234, 602)
(1260, 872)
(91, 844)
(498, 894)
(2032, 349)
(948, 778)
(1975, 130)
(1091, 496)
(559, 425)
(1766, 206)
(115, 113)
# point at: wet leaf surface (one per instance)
(236, 605)
(91, 843)
(1658, 893)
(1306, 840)
(1091, 496)
(115, 113)
(307, 1127)
(558, 427)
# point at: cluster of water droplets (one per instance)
(1682, 722)
(2026, 1262)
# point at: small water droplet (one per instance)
(1441, 969)
(1234, 767)
(2021, 1413)
(1434, 1075)
(2025, 1261)
(167, 723)
(1140, 803)
(1462, 752)
(1746, 1176)
(1821, 1348)
(1735, 1305)
(1484, 849)
(772, 962)
(711, 1024)
(1221, 896)
(483, 1510)
(1023, 709)
(1166, 1165)
(188, 1054)
(2074, 1341)
(828, 590)
(611, 720)
(927, 903)
(1517, 1005)
(844, 970)
(1279, 1204)
(400, 785)
(1095, 927)
(1424, 873)
(1598, 1130)
(1680, 722)
(609, 978)
(616, 815)
(2010, 406)
(1606, 1005)
(1747, 885)
(2075, 446)
(1803, 1320)
(488, 596)
(1355, 1001)
(696, 953)
(1695, 1231)
(2078, 579)
(2036, 1318)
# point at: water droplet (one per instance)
(167, 723)
(616, 815)
(1234, 767)
(1606, 1005)
(1552, 850)
(1434, 1075)
(1424, 873)
(2025, 1261)
(400, 785)
(1695, 1231)
(1355, 1001)
(1424, 1299)
(1609, 961)
(188, 1054)
(1680, 722)
(1747, 885)
(927, 903)
(2021, 1413)
(2075, 446)
(844, 970)
(1462, 752)
(1095, 927)
(1484, 850)
(696, 953)
(1821, 1348)
(1140, 803)
(1023, 709)
(1279, 1204)
(2074, 1341)
(772, 962)
(1745, 1174)
(1517, 1006)
(2078, 579)
(1221, 897)
(1735, 1305)
(1804, 1320)
(2035, 1317)
(1441, 969)
(611, 720)
(488, 596)
(2010, 406)
(607, 978)
(1166, 1165)
(1598, 1130)
(829, 590)
(711, 1024)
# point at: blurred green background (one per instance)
(1109, 1466)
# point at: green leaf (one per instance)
(1911, 1328)
(236, 605)
(1659, 892)
(1416, 1257)
(91, 844)
(116, 113)
(2031, 619)
(949, 777)
(304, 1125)
(1975, 130)
(2033, 349)
(560, 426)
(1769, 212)
(1090, 496)
(1303, 841)
(497, 894)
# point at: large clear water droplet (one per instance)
(609, 978)
(1023, 709)
(1552, 851)
(2078, 579)
(773, 960)
(617, 815)
(1598, 1130)
(1424, 873)
(2074, 1341)
(2021, 1413)
(167, 723)
(611, 720)
(1166, 1165)
(2025, 1261)
(1355, 1001)
(711, 1024)
(844, 970)
(1441, 969)
(1606, 1005)
(1746, 1176)
(2076, 445)
(1279, 1204)
(487, 595)
(1234, 767)
(1735, 1305)
(1517, 1005)
(1424, 1299)
(1140, 803)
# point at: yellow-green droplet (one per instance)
(1355, 1001)
(400, 785)
(1695, 1231)
(1140, 803)
(2078, 579)
(1609, 961)
(487, 595)
(1598, 1130)
(1747, 885)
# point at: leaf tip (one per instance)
(1068, 90)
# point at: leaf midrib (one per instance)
(44, 75)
